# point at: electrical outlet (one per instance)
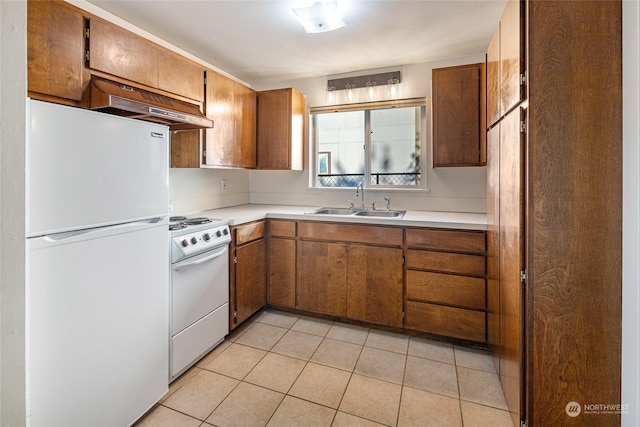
(223, 184)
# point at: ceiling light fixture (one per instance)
(393, 84)
(321, 16)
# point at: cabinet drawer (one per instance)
(447, 240)
(387, 236)
(448, 289)
(249, 232)
(447, 321)
(468, 265)
(282, 228)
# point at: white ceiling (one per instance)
(261, 41)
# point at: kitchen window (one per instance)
(379, 144)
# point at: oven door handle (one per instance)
(186, 264)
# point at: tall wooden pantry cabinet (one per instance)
(554, 160)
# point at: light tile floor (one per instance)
(281, 369)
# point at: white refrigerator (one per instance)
(97, 286)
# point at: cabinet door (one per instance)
(121, 53)
(282, 272)
(457, 109)
(245, 126)
(220, 139)
(493, 242)
(185, 148)
(511, 260)
(512, 62)
(180, 76)
(250, 280)
(55, 51)
(281, 129)
(374, 291)
(322, 277)
(493, 79)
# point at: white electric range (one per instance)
(199, 289)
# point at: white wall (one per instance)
(194, 190)
(449, 189)
(631, 212)
(13, 87)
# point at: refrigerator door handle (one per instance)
(68, 236)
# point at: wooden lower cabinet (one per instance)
(374, 284)
(281, 278)
(447, 321)
(446, 283)
(248, 273)
(322, 277)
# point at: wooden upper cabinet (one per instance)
(512, 58)
(121, 53)
(232, 107)
(459, 116)
(180, 76)
(506, 63)
(55, 51)
(493, 79)
(282, 129)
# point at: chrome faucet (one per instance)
(360, 192)
(388, 200)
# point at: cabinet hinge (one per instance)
(523, 423)
(235, 314)
(86, 55)
(403, 315)
(204, 154)
(523, 126)
(523, 79)
(235, 259)
(86, 33)
(523, 276)
(403, 259)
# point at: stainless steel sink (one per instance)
(382, 214)
(332, 211)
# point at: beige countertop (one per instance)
(242, 214)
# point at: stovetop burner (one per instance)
(177, 226)
(196, 221)
(177, 218)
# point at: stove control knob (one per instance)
(184, 243)
(225, 231)
(218, 233)
(194, 240)
(206, 237)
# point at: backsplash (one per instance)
(194, 190)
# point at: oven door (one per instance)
(199, 285)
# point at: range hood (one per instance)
(122, 100)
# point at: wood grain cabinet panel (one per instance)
(249, 232)
(447, 240)
(472, 265)
(178, 75)
(512, 58)
(450, 289)
(447, 321)
(118, 52)
(248, 271)
(282, 228)
(351, 233)
(282, 124)
(493, 79)
(55, 52)
(374, 284)
(282, 272)
(232, 107)
(322, 277)
(250, 281)
(459, 115)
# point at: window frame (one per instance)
(424, 142)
